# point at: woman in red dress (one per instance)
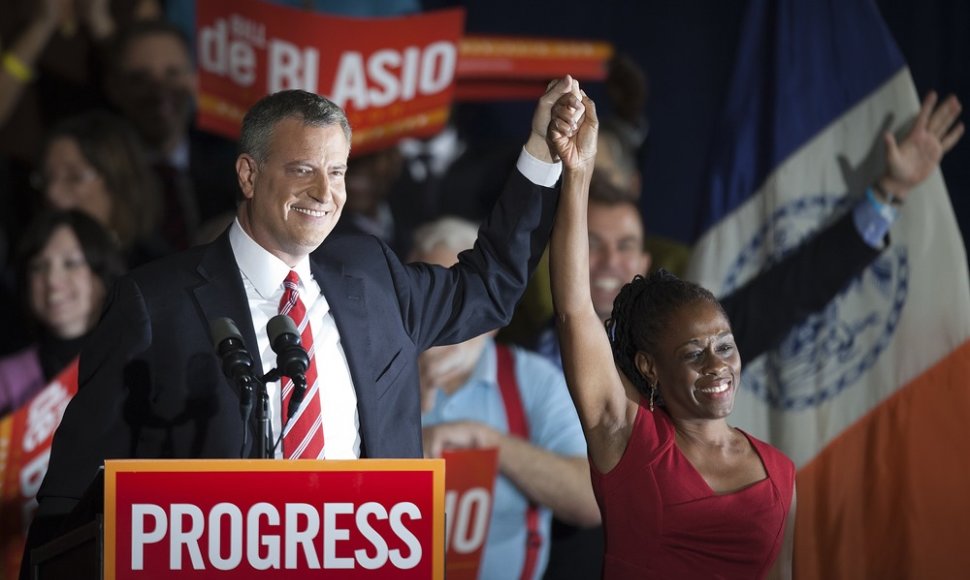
(683, 494)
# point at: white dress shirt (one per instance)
(263, 275)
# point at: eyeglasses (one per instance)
(72, 178)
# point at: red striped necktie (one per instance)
(303, 434)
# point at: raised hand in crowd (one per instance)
(934, 132)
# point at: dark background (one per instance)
(687, 48)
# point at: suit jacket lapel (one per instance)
(345, 294)
(221, 293)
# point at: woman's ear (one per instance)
(647, 366)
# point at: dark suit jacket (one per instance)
(150, 385)
(763, 311)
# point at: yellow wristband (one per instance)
(17, 68)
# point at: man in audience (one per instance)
(152, 82)
(471, 393)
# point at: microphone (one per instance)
(291, 358)
(237, 364)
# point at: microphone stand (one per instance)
(264, 431)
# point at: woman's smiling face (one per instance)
(65, 295)
(698, 365)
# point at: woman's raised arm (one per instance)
(593, 380)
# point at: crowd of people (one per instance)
(625, 381)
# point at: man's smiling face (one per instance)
(295, 196)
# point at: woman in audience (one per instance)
(682, 493)
(94, 162)
(66, 262)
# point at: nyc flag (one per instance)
(870, 395)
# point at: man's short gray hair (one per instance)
(261, 119)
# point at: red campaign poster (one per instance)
(500, 68)
(393, 76)
(469, 490)
(25, 446)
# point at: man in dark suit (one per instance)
(150, 384)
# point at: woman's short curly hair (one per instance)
(641, 313)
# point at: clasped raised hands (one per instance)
(573, 128)
(564, 126)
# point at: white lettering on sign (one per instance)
(292, 68)
(234, 58)
(295, 535)
(255, 540)
(219, 512)
(185, 536)
(468, 517)
(389, 75)
(332, 534)
(32, 474)
(229, 50)
(259, 536)
(252, 30)
(371, 508)
(405, 508)
(44, 415)
(140, 536)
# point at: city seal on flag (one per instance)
(834, 347)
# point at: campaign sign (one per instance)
(274, 519)
(25, 448)
(469, 495)
(394, 77)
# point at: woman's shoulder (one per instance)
(652, 432)
(769, 452)
(780, 468)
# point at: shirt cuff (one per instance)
(537, 171)
(873, 219)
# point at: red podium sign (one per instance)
(274, 519)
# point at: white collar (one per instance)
(266, 271)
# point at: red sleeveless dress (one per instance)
(662, 520)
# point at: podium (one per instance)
(369, 518)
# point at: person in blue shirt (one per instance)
(464, 406)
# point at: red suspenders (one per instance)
(515, 413)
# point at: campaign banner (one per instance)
(501, 68)
(274, 519)
(392, 76)
(469, 495)
(25, 447)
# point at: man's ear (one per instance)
(246, 168)
(647, 366)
